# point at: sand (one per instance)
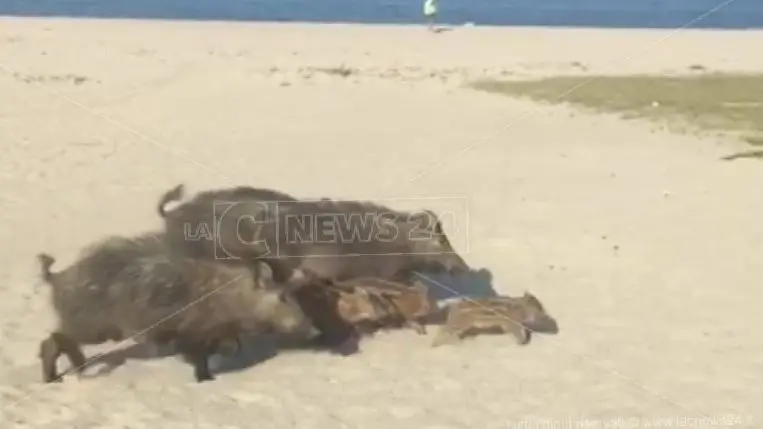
(642, 244)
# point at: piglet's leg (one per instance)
(525, 337)
(522, 334)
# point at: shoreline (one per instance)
(385, 50)
(385, 25)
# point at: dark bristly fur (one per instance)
(230, 214)
(234, 212)
(335, 314)
(124, 287)
(520, 316)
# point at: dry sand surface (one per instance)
(642, 244)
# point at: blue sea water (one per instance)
(590, 13)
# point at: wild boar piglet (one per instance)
(519, 316)
(394, 303)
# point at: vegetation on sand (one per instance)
(730, 103)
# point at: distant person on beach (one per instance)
(430, 13)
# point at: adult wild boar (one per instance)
(135, 287)
(224, 224)
(363, 239)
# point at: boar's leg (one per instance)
(366, 327)
(446, 335)
(528, 335)
(49, 353)
(197, 354)
(51, 348)
(349, 346)
(522, 334)
(339, 338)
(417, 325)
(228, 346)
(73, 352)
(344, 343)
(336, 334)
(456, 324)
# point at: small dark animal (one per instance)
(361, 240)
(134, 287)
(519, 316)
(336, 313)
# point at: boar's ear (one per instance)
(437, 230)
(434, 219)
(423, 219)
(533, 300)
(431, 220)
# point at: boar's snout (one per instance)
(301, 326)
(287, 316)
(296, 323)
(437, 245)
(542, 324)
(447, 261)
(455, 264)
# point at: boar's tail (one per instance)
(174, 194)
(46, 261)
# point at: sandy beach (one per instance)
(642, 244)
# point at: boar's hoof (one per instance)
(199, 358)
(200, 378)
(445, 336)
(348, 347)
(53, 379)
(202, 373)
(524, 337)
(418, 328)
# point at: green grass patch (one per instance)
(730, 103)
